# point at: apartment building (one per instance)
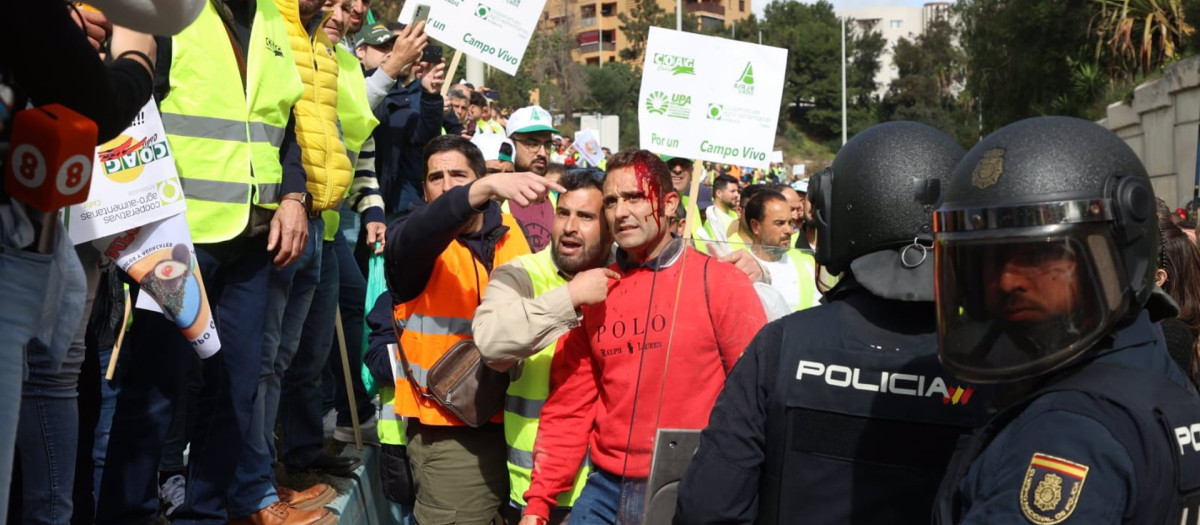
(894, 23)
(597, 29)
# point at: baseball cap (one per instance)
(530, 119)
(494, 146)
(375, 35)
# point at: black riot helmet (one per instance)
(873, 207)
(1046, 239)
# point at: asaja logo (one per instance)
(677, 65)
(656, 103)
(482, 11)
(714, 111)
(124, 158)
(745, 83)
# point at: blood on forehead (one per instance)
(651, 187)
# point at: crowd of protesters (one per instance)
(355, 216)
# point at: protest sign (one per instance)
(494, 31)
(587, 143)
(710, 98)
(776, 157)
(161, 259)
(134, 182)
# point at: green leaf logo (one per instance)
(656, 103)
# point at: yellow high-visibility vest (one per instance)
(225, 139)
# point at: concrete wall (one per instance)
(1160, 125)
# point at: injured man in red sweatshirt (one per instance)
(653, 355)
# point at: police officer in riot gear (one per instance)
(1046, 247)
(841, 414)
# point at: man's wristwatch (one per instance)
(303, 197)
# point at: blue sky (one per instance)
(849, 4)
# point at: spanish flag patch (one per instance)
(1051, 489)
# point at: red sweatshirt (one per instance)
(616, 363)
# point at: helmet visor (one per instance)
(1010, 309)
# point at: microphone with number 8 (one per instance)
(51, 161)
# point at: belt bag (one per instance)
(462, 384)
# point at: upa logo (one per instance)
(745, 83)
(675, 64)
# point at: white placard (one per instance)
(710, 98)
(798, 169)
(161, 258)
(587, 143)
(494, 31)
(134, 182)
(776, 157)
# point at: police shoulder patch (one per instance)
(1051, 489)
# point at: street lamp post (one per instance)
(843, 80)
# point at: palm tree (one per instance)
(1141, 34)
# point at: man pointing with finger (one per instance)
(438, 260)
(529, 304)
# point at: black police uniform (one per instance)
(836, 414)
(1106, 440)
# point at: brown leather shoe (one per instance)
(314, 497)
(279, 513)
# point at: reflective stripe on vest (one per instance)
(389, 427)
(441, 316)
(527, 395)
(225, 139)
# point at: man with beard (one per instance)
(531, 130)
(531, 302)
(652, 346)
(769, 222)
(723, 213)
(788, 440)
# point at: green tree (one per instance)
(1022, 54)
(812, 88)
(932, 69)
(513, 89)
(561, 82)
(635, 25)
(615, 92)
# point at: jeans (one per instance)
(599, 500)
(300, 413)
(352, 295)
(17, 327)
(48, 428)
(288, 295)
(155, 363)
(108, 406)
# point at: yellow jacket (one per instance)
(324, 155)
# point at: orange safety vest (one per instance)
(441, 316)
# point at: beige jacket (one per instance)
(511, 324)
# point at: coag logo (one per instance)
(841, 376)
(124, 158)
(677, 65)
